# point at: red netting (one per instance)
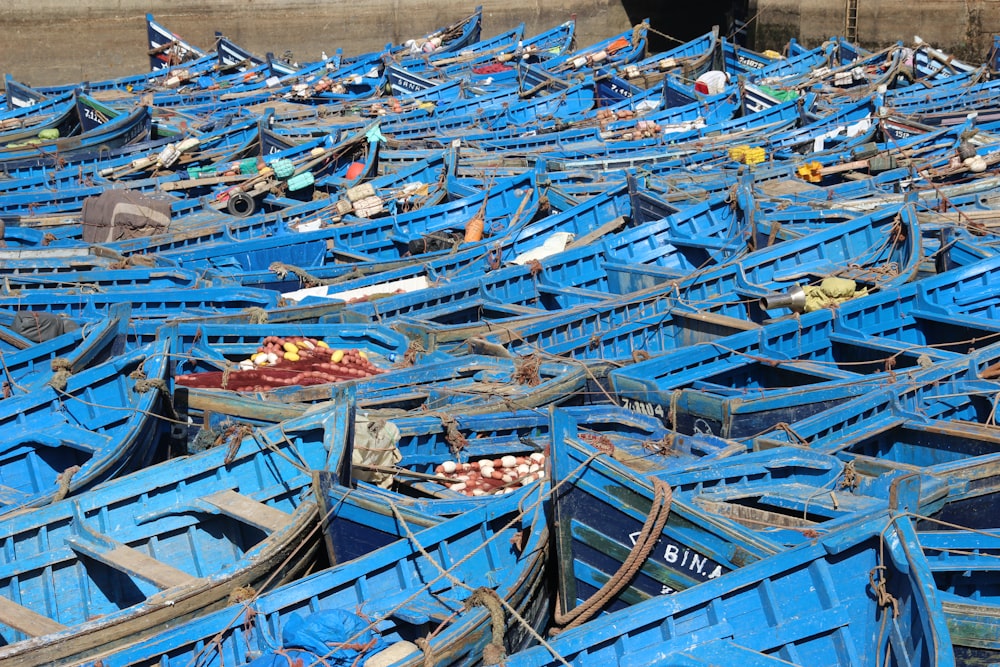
(492, 68)
(285, 363)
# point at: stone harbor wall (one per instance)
(963, 28)
(48, 42)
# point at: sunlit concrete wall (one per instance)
(48, 42)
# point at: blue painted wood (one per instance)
(963, 562)
(99, 124)
(399, 588)
(745, 384)
(64, 438)
(28, 369)
(602, 506)
(768, 608)
(168, 543)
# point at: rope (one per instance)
(242, 594)
(885, 598)
(63, 479)
(455, 439)
(425, 647)
(226, 372)
(494, 652)
(796, 438)
(235, 433)
(446, 574)
(850, 479)
(651, 529)
(142, 386)
(62, 369)
(527, 371)
(307, 279)
(256, 315)
(413, 350)
(133, 260)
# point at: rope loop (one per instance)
(650, 533)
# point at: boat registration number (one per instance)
(644, 407)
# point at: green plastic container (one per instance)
(299, 181)
(283, 169)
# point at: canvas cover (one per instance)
(115, 215)
(39, 327)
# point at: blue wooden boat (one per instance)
(74, 432)
(57, 113)
(709, 144)
(168, 543)
(100, 279)
(440, 255)
(403, 590)
(703, 304)
(688, 59)
(233, 56)
(201, 146)
(523, 291)
(426, 444)
(18, 95)
(83, 305)
(789, 495)
(219, 350)
(622, 49)
(610, 134)
(166, 49)
(266, 215)
(239, 194)
(29, 368)
(469, 384)
(42, 259)
(368, 238)
(719, 512)
(451, 38)
(534, 49)
(781, 608)
(962, 558)
(621, 537)
(483, 48)
(745, 384)
(544, 111)
(100, 125)
(217, 139)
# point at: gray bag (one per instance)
(38, 327)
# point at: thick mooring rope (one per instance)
(651, 529)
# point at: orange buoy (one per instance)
(474, 229)
(355, 169)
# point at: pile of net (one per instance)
(286, 362)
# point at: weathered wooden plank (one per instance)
(25, 620)
(131, 561)
(249, 510)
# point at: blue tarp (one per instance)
(320, 635)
